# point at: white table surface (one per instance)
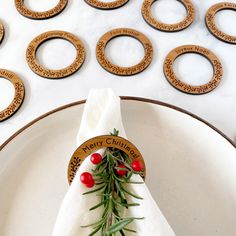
(43, 95)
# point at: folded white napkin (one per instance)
(101, 115)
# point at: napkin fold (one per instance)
(101, 115)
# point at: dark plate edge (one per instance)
(123, 98)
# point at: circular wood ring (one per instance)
(186, 88)
(2, 32)
(118, 70)
(106, 5)
(19, 94)
(23, 10)
(152, 21)
(55, 74)
(211, 25)
(96, 143)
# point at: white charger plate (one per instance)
(191, 169)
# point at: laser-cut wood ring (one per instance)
(23, 10)
(105, 141)
(2, 32)
(118, 70)
(106, 5)
(211, 25)
(186, 88)
(55, 74)
(152, 21)
(18, 97)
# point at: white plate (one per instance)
(191, 169)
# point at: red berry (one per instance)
(96, 158)
(137, 166)
(90, 184)
(86, 178)
(121, 172)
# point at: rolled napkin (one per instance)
(101, 115)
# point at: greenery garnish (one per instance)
(111, 177)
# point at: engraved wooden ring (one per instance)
(19, 94)
(152, 21)
(186, 88)
(23, 10)
(55, 74)
(106, 5)
(211, 25)
(96, 143)
(2, 32)
(118, 70)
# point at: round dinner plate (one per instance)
(191, 169)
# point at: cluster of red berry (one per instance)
(87, 179)
(137, 166)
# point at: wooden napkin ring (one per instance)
(2, 32)
(105, 141)
(55, 74)
(150, 19)
(211, 25)
(23, 10)
(106, 5)
(118, 70)
(19, 94)
(186, 88)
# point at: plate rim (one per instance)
(124, 98)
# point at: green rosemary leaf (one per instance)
(93, 224)
(129, 175)
(115, 132)
(97, 173)
(119, 179)
(130, 230)
(124, 156)
(119, 226)
(106, 211)
(110, 158)
(131, 204)
(95, 231)
(122, 204)
(124, 201)
(102, 163)
(127, 165)
(103, 194)
(132, 194)
(120, 189)
(99, 183)
(120, 168)
(95, 190)
(134, 182)
(98, 205)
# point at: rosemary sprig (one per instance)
(112, 189)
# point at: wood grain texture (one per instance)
(92, 145)
(106, 5)
(211, 25)
(118, 70)
(55, 74)
(2, 32)
(23, 10)
(152, 21)
(18, 97)
(186, 88)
